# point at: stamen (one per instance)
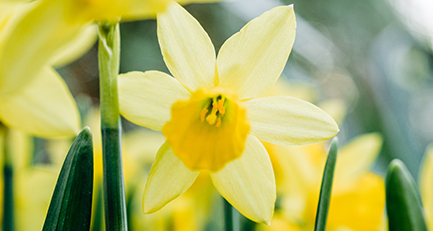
(218, 110)
(203, 114)
(211, 119)
(221, 108)
(218, 122)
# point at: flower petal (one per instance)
(251, 61)
(425, 184)
(356, 158)
(168, 178)
(248, 183)
(111, 10)
(44, 108)
(187, 49)
(146, 98)
(33, 190)
(285, 120)
(75, 48)
(33, 42)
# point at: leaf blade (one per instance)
(403, 200)
(71, 204)
(326, 188)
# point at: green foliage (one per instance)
(326, 188)
(71, 203)
(403, 201)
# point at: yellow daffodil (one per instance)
(33, 97)
(209, 115)
(50, 26)
(358, 195)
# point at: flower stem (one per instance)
(113, 183)
(8, 202)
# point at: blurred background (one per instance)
(374, 57)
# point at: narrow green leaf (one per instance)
(326, 188)
(403, 201)
(71, 203)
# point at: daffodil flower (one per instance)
(33, 97)
(209, 115)
(50, 26)
(358, 195)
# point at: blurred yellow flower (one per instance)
(33, 97)
(33, 185)
(45, 28)
(426, 186)
(33, 190)
(209, 115)
(358, 195)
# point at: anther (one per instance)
(203, 114)
(217, 111)
(218, 122)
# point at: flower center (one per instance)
(214, 111)
(208, 130)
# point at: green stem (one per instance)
(113, 183)
(8, 192)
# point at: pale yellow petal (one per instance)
(146, 98)
(76, 48)
(32, 43)
(286, 120)
(187, 49)
(356, 158)
(34, 188)
(426, 185)
(168, 178)
(44, 108)
(21, 145)
(252, 60)
(248, 183)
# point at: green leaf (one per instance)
(403, 201)
(71, 203)
(326, 188)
